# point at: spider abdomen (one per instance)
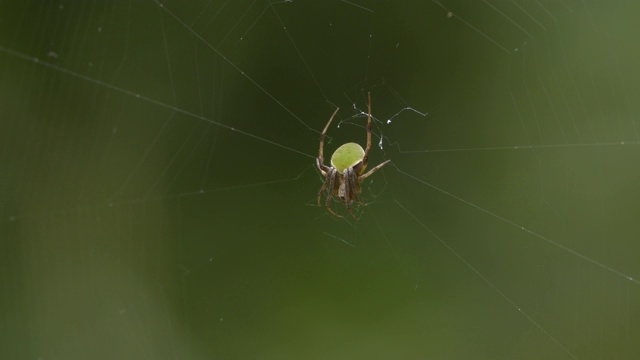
(346, 156)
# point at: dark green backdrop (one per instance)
(158, 189)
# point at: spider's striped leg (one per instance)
(324, 169)
(324, 186)
(353, 182)
(331, 188)
(365, 159)
(370, 172)
(320, 161)
(348, 191)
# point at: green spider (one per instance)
(346, 173)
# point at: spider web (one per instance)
(159, 189)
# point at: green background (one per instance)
(158, 189)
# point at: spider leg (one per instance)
(324, 186)
(328, 172)
(348, 174)
(320, 161)
(332, 183)
(370, 172)
(366, 150)
(324, 169)
(353, 181)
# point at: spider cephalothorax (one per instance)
(347, 170)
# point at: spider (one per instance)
(346, 173)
